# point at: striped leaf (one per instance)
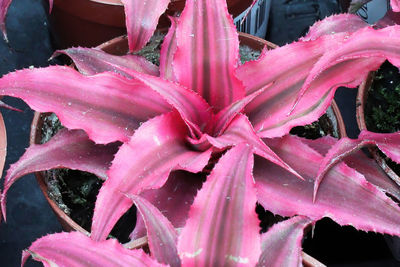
(161, 234)
(222, 228)
(157, 148)
(241, 131)
(269, 111)
(387, 143)
(373, 46)
(345, 196)
(193, 109)
(361, 163)
(207, 52)
(281, 245)
(107, 106)
(168, 50)
(141, 20)
(4, 5)
(67, 149)
(90, 61)
(173, 199)
(74, 249)
(334, 24)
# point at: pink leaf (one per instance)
(345, 196)
(207, 52)
(78, 100)
(388, 143)
(3, 143)
(161, 234)
(334, 24)
(395, 4)
(67, 149)
(141, 20)
(167, 53)
(4, 5)
(90, 61)
(75, 249)
(225, 116)
(157, 148)
(367, 44)
(269, 111)
(361, 163)
(173, 199)
(281, 245)
(193, 109)
(222, 228)
(241, 131)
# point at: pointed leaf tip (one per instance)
(161, 234)
(76, 249)
(62, 151)
(281, 244)
(141, 20)
(387, 143)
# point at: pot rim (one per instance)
(362, 96)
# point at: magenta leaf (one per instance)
(161, 234)
(76, 249)
(267, 112)
(345, 196)
(361, 163)
(141, 20)
(4, 5)
(90, 61)
(334, 24)
(373, 46)
(157, 148)
(222, 228)
(281, 245)
(193, 109)
(167, 53)
(173, 199)
(67, 149)
(225, 116)
(78, 100)
(241, 131)
(207, 52)
(388, 143)
(3, 143)
(395, 4)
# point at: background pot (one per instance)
(119, 46)
(89, 23)
(361, 101)
(362, 97)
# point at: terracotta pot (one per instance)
(89, 23)
(362, 97)
(119, 46)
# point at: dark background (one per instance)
(28, 214)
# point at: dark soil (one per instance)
(315, 130)
(382, 110)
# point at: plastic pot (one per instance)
(119, 46)
(89, 23)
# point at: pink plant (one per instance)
(175, 120)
